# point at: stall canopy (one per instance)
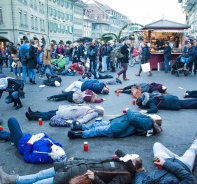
(165, 24)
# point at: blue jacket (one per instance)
(167, 52)
(23, 51)
(130, 123)
(94, 85)
(169, 102)
(38, 152)
(174, 171)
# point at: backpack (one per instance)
(195, 53)
(117, 52)
(78, 96)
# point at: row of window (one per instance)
(78, 10)
(1, 16)
(78, 21)
(59, 14)
(96, 35)
(34, 4)
(54, 27)
(63, 3)
(34, 21)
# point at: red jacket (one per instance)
(77, 68)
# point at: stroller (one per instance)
(181, 65)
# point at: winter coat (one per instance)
(145, 87)
(23, 52)
(110, 171)
(47, 56)
(77, 68)
(145, 54)
(169, 102)
(155, 87)
(92, 48)
(104, 50)
(130, 123)
(80, 113)
(167, 52)
(191, 51)
(94, 85)
(32, 61)
(15, 58)
(81, 50)
(174, 171)
(125, 52)
(38, 152)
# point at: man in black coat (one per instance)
(167, 56)
(32, 62)
(119, 169)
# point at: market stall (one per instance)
(157, 33)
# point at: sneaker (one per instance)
(118, 81)
(185, 95)
(76, 126)
(41, 77)
(125, 79)
(73, 135)
(19, 106)
(156, 126)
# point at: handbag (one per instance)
(145, 67)
(136, 91)
(80, 179)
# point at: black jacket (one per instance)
(94, 49)
(167, 52)
(104, 50)
(145, 54)
(32, 61)
(125, 52)
(109, 171)
(191, 51)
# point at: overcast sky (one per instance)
(148, 11)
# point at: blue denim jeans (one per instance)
(44, 69)
(48, 115)
(166, 63)
(67, 73)
(97, 129)
(10, 98)
(15, 131)
(1, 66)
(32, 73)
(24, 71)
(10, 62)
(17, 71)
(43, 177)
(92, 65)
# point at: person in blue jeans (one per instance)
(128, 124)
(167, 56)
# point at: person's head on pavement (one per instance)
(105, 91)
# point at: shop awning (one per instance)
(170, 31)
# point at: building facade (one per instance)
(190, 9)
(105, 19)
(59, 20)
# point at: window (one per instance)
(50, 11)
(20, 17)
(36, 22)
(55, 27)
(62, 15)
(32, 22)
(35, 4)
(31, 3)
(54, 12)
(1, 16)
(97, 27)
(58, 14)
(58, 1)
(93, 35)
(68, 5)
(62, 2)
(25, 18)
(43, 25)
(71, 17)
(42, 8)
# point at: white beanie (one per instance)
(57, 84)
(57, 153)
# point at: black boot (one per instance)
(30, 80)
(76, 126)
(73, 135)
(30, 111)
(33, 82)
(34, 116)
(19, 104)
(50, 98)
(15, 103)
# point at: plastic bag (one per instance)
(145, 67)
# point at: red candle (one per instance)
(117, 93)
(40, 121)
(1, 128)
(134, 102)
(85, 146)
(124, 111)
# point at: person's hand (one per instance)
(143, 111)
(90, 175)
(75, 71)
(35, 138)
(126, 109)
(104, 99)
(159, 161)
(71, 159)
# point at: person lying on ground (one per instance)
(77, 97)
(190, 94)
(122, 126)
(75, 67)
(92, 84)
(60, 117)
(145, 87)
(173, 168)
(154, 101)
(118, 169)
(52, 80)
(38, 148)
